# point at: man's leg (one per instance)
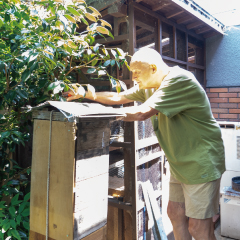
(176, 213)
(202, 229)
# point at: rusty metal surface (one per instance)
(79, 109)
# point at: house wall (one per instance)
(223, 74)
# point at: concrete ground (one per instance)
(217, 234)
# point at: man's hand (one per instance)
(71, 95)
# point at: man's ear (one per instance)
(153, 68)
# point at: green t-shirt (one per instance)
(186, 128)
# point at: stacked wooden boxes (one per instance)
(78, 176)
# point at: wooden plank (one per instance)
(160, 35)
(38, 236)
(163, 19)
(203, 30)
(114, 224)
(101, 4)
(173, 13)
(110, 40)
(195, 10)
(91, 177)
(144, 25)
(91, 207)
(174, 42)
(184, 19)
(128, 226)
(156, 213)
(194, 24)
(146, 38)
(100, 234)
(186, 45)
(93, 135)
(45, 115)
(160, 6)
(121, 144)
(61, 179)
(148, 158)
(113, 202)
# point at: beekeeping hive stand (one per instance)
(69, 185)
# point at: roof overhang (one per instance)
(185, 13)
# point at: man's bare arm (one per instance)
(108, 98)
(138, 113)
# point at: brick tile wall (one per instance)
(225, 103)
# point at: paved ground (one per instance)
(217, 234)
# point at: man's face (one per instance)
(142, 73)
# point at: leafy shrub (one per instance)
(40, 48)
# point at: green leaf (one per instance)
(13, 223)
(25, 213)
(106, 63)
(118, 64)
(70, 18)
(18, 219)
(94, 62)
(22, 206)
(110, 34)
(2, 214)
(113, 82)
(123, 85)
(53, 85)
(22, 94)
(96, 47)
(2, 204)
(126, 63)
(16, 234)
(12, 211)
(73, 11)
(91, 70)
(84, 21)
(101, 72)
(6, 225)
(105, 51)
(114, 53)
(50, 18)
(112, 62)
(25, 75)
(34, 66)
(4, 134)
(26, 225)
(27, 197)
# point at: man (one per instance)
(188, 134)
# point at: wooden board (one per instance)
(91, 205)
(100, 234)
(38, 236)
(114, 224)
(61, 180)
(91, 177)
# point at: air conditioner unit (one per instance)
(231, 139)
(230, 206)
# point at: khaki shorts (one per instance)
(201, 200)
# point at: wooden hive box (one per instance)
(78, 173)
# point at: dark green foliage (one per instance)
(39, 50)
